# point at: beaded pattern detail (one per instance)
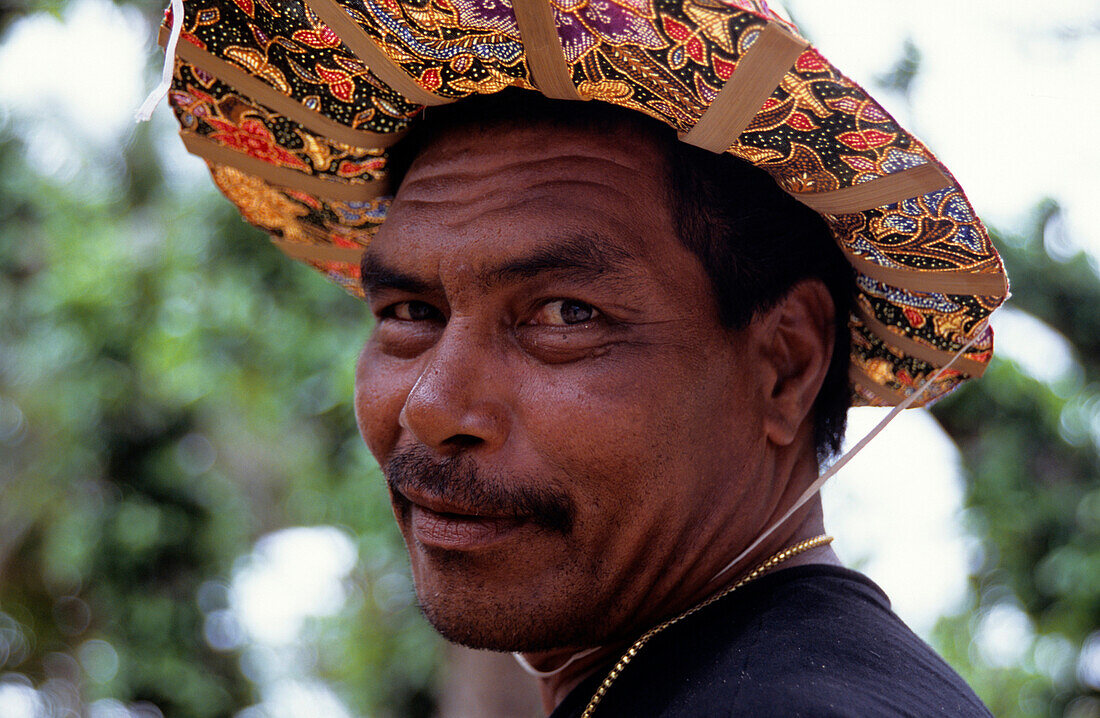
(818, 133)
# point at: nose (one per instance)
(456, 403)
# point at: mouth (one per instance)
(439, 524)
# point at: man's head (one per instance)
(596, 351)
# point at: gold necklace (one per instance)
(785, 554)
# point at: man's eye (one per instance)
(412, 311)
(565, 312)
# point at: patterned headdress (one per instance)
(293, 104)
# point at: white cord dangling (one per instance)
(525, 665)
(806, 495)
(851, 453)
(146, 110)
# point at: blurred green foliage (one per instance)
(170, 389)
(1031, 460)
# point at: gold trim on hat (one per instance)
(284, 177)
(753, 81)
(935, 357)
(319, 252)
(937, 281)
(886, 394)
(545, 56)
(264, 94)
(888, 189)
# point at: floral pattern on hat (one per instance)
(818, 132)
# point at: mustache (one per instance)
(458, 480)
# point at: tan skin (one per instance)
(597, 375)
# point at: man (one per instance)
(580, 427)
(606, 363)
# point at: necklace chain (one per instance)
(785, 554)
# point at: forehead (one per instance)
(481, 195)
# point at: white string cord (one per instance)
(146, 110)
(851, 453)
(806, 495)
(525, 665)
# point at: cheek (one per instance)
(619, 430)
(380, 391)
(650, 431)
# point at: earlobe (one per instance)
(797, 351)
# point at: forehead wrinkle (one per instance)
(469, 168)
(588, 199)
(514, 197)
(582, 254)
(463, 209)
(585, 255)
(435, 179)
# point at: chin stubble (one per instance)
(489, 621)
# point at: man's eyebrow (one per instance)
(585, 256)
(374, 275)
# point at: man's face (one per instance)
(566, 428)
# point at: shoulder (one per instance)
(810, 641)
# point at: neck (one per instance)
(791, 470)
(569, 667)
(788, 471)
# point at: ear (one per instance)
(796, 350)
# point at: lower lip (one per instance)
(459, 533)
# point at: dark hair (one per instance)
(754, 240)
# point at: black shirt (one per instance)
(813, 641)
